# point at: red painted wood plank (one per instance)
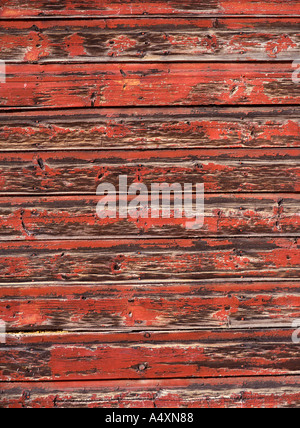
(86, 85)
(258, 392)
(32, 8)
(73, 217)
(144, 337)
(155, 39)
(170, 305)
(236, 170)
(149, 259)
(99, 356)
(151, 128)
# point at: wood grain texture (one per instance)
(246, 392)
(148, 259)
(146, 313)
(102, 356)
(105, 8)
(150, 128)
(151, 306)
(144, 39)
(155, 84)
(72, 217)
(73, 172)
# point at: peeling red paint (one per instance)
(185, 394)
(95, 357)
(282, 43)
(185, 259)
(145, 85)
(120, 45)
(88, 302)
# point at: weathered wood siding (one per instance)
(147, 313)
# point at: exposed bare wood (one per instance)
(72, 217)
(235, 170)
(111, 356)
(151, 128)
(155, 84)
(151, 306)
(148, 312)
(140, 40)
(246, 392)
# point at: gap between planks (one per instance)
(38, 110)
(117, 17)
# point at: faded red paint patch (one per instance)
(280, 44)
(75, 45)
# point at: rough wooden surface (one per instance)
(165, 305)
(189, 354)
(147, 313)
(149, 259)
(74, 172)
(104, 8)
(161, 39)
(68, 217)
(246, 392)
(151, 128)
(155, 84)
